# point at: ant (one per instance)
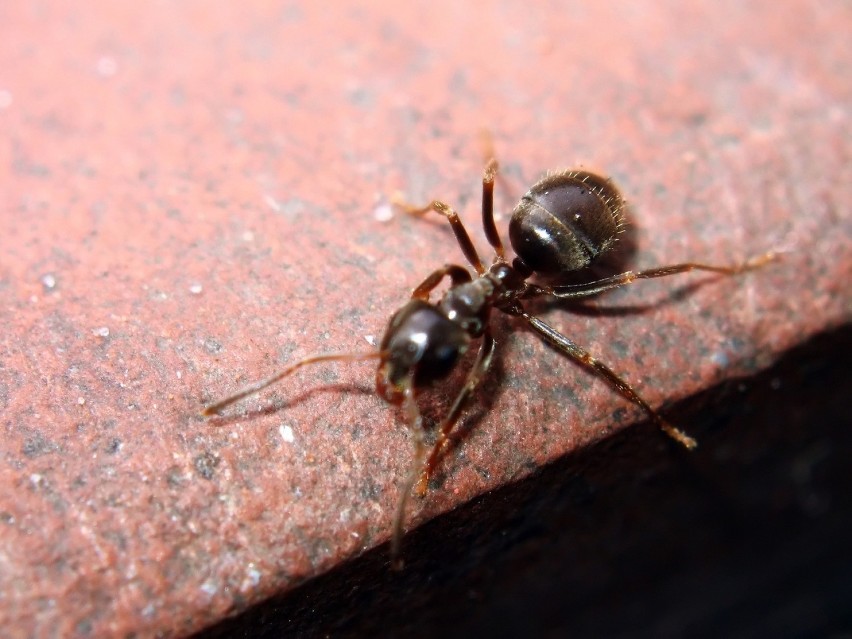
(566, 221)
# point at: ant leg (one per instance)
(608, 283)
(458, 275)
(579, 355)
(488, 224)
(460, 232)
(415, 425)
(212, 409)
(480, 368)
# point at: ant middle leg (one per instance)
(571, 291)
(462, 237)
(459, 230)
(474, 377)
(488, 224)
(581, 356)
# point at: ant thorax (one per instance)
(468, 305)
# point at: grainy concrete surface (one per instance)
(193, 194)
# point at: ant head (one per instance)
(418, 341)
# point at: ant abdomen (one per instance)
(565, 221)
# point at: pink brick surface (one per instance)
(193, 194)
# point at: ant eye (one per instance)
(445, 354)
(440, 360)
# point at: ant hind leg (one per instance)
(568, 348)
(588, 289)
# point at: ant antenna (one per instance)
(213, 409)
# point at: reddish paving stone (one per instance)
(194, 195)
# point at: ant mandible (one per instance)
(561, 225)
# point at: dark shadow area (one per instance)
(747, 536)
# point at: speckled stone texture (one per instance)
(195, 193)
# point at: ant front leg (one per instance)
(588, 289)
(568, 348)
(415, 425)
(458, 275)
(480, 368)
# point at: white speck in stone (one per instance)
(371, 339)
(179, 374)
(209, 587)
(253, 575)
(720, 358)
(196, 289)
(49, 281)
(272, 203)
(287, 434)
(107, 66)
(102, 331)
(81, 401)
(248, 236)
(234, 116)
(383, 213)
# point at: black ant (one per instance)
(563, 223)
